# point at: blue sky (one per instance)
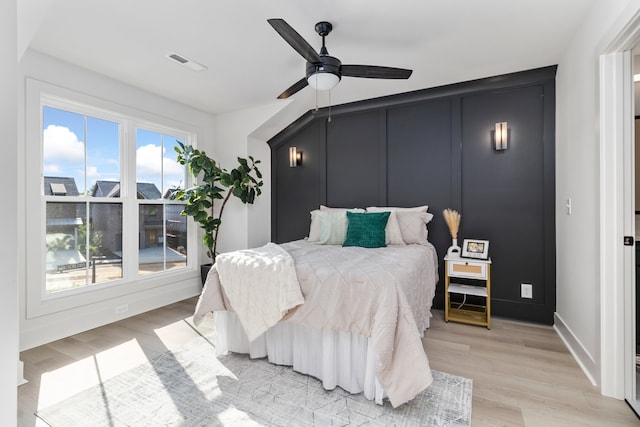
(65, 140)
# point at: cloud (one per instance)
(52, 168)
(173, 168)
(92, 172)
(147, 159)
(61, 143)
(148, 163)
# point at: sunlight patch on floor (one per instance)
(235, 417)
(175, 334)
(75, 377)
(120, 358)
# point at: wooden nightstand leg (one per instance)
(488, 301)
(446, 292)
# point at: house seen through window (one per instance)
(90, 208)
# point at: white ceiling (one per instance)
(249, 64)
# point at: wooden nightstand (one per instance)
(476, 286)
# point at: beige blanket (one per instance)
(384, 294)
(260, 284)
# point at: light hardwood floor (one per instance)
(522, 373)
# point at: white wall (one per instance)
(578, 178)
(40, 329)
(30, 15)
(245, 133)
(8, 215)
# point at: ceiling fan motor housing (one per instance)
(329, 65)
(323, 71)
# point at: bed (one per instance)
(350, 316)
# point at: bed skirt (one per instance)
(336, 358)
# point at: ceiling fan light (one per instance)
(323, 80)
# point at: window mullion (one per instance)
(130, 202)
(163, 206)
(164, 235)
(87, 219)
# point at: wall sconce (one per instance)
(295, 157)
(501, 136)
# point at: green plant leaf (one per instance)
(216, 183)
(225, 180)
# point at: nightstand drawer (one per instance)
(470, 269)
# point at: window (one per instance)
(107, 189)
(162, 230)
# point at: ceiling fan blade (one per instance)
(295, 40)
(375, 72)
(300, 84)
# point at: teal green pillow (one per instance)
(366, 229)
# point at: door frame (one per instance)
(617, 214)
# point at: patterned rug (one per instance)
(190, 387)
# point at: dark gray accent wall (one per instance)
(434, 147)
(297, 191)
(354, 137)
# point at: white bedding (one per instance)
(336, 358)
(261, 285)
(384, 294)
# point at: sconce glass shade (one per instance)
(295, 157)
(501, 136)
(323, 80)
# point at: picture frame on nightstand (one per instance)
(476, 249)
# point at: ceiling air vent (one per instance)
(178, 58)
(191, 64)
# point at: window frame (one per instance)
(38, 302)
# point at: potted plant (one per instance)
(214, 183)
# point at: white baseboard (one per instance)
(577, 350)
(62, 325)
(21, 379)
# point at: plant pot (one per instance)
(204, 271)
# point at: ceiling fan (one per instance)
(325, 71)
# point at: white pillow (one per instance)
(413, 226)
(393, 236)
(314, 229)
(424, 208)
(327, 208)
(412, 233)
(333, 227)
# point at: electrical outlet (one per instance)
(122, 308)
(526, 290)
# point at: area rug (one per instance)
(190, 387)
